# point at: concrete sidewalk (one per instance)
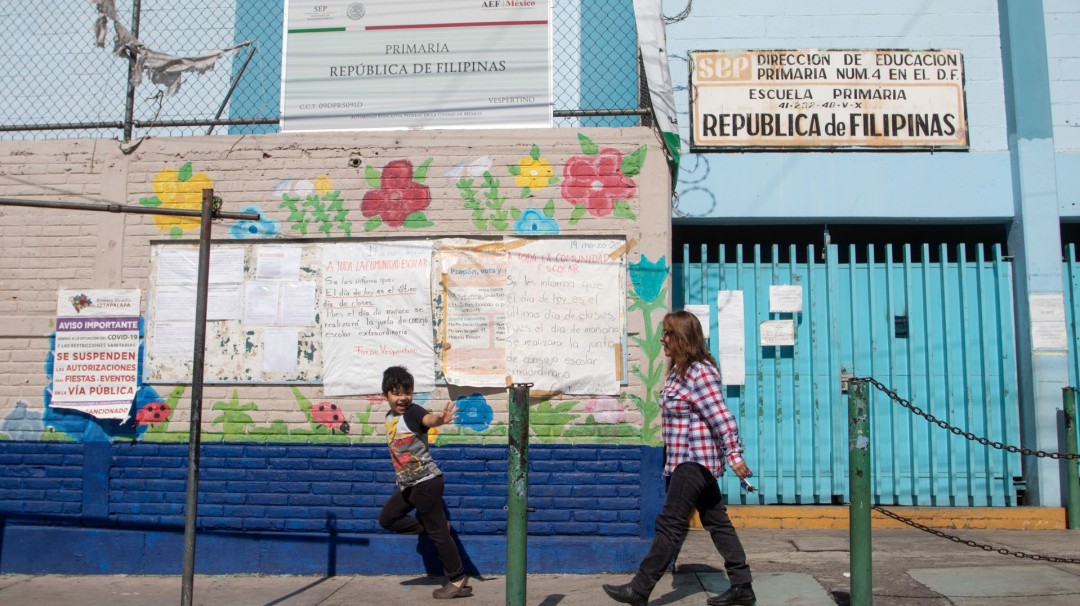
(798, 567)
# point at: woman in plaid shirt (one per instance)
(700, 436)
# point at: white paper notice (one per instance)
(261, 303)
(226, 265)
(564, 322)
(474, 326)
(178, 265)
(376, 313)
(297, 304)
(1049, 336)
(174, 339)
(1047, 307)
(224, 302)
(280, 349)
(731, 324)
(785, 299)
(95, 352)
(702, 314)
(174, 302)
(277, 263)
(777, 333)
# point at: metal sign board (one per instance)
(834, 99)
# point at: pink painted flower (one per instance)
(607, 410)
(398, 195)
(597, 182)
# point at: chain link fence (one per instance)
(55, 83)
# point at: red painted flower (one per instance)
(597, 182)
(398, 195)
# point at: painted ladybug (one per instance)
(328, 414)
(154, 412)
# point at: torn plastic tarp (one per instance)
(164, 69)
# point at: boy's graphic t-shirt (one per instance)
(408, 441)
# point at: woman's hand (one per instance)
(741, 470)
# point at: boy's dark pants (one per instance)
(426, 499)
(691, 486)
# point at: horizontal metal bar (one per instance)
(124, 208)
(196, 122)
(588, 113)
(70, 126)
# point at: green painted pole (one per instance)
(517, 523)
(1072, 466)
(862, 586)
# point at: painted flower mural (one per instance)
(648, 277)
(178, 189)
(474, 413)
(265, 227)
(599, 181)
(606, 411)
(532, 172)
(399, 196)
(536, 222)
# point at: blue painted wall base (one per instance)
(33, 549)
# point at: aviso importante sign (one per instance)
(812, 99)
(389, 64)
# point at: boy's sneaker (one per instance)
(451, 591)
(736, 595)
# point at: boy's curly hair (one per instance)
(397, 377)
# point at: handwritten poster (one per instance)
(564, 321)
(95, 357)
(376, 313)
(474, 330)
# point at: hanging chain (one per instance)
(970, 543)
(960, 432)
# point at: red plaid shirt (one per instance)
(698, 427)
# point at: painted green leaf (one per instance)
(150, 201)
(577, 214)
(373, 177)
(631, 165)
(549, 209)
(417, 220)
(420, 174)
(176, 232)
(622, 210)
(515, 213)
(587, 146)
(480, 223)
(185, 172)
(513, 169)
(552, 180)
(534, 153)
(372, 223)
(526, 192)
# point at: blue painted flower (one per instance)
(648, 277)
(534, 222)
(265, 227)
(474, 413)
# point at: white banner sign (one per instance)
(474, 324)
(384, 64)
(814, 98)
(376, 313)
(95, 358)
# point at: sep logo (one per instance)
(721, 67)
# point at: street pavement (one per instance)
(791, 566)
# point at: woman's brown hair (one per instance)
(685, 342)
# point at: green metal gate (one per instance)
(937, 328)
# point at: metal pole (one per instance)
(129, 102)
(123, 208)
(228, 95)
(517, 528)
(859, 484)
(191, 510)
(1072, 466)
